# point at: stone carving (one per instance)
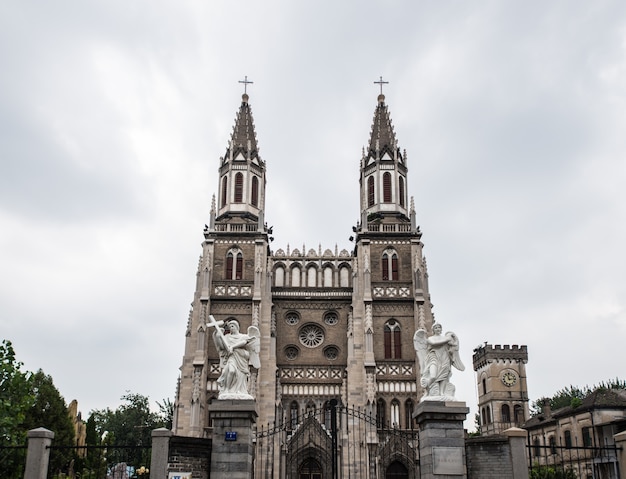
(436, 355)
(237, 352)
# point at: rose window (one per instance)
(331, 353)
(291, 352)
(311, 336)
(292, 318)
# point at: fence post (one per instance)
(620, 443)
(517, 443)
(38, 453)
(160, 453)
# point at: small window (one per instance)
(291, 352)
(552, 443)
(387, 187)
(224, 191)
(401, 190)
(255, 191)
(506, 413)
(331, 353)
(392, 340)
(238, 188)
(390, 265)
(537, 447)
(292, 318)
(587, 440)
(234, 264)
(331, 318)
(395, 413)
(380, 412)
(293, 414)
(370, 191)
(568, 439)
(409, 409)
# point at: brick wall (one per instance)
(189, 454)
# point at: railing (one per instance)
(237, 227)
(389, 227)
(571, 462)
(12, 461)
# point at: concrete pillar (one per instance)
(38, 453)
(160, 453)
(232, 452)
(442, 439)
(519, 452)
(620, 442)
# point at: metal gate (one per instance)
(333, 443)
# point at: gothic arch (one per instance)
(234, 264)
(390, 267)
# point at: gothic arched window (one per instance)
(239, 188)
(279, 276)
(387, 187)
(380, 412)
(506, 413)
(518, 414)
(409, 409)
(255, 191)
(370, 191)
(311, 274)
(295, 276)
(390, 265)
(328, 277)
(234, 264)
(293, 414)
(395, 413)
(224, 191)
(401, 190)
(393, 345)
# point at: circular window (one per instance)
(331, 353)
(291, 352)
(311, 335)
(331, 318)
(292, 318)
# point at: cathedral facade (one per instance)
(336, 326)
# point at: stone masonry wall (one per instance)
(488, 458)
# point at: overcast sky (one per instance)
(113, 116)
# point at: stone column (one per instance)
(232, 451)
(620, 442)
(160, 452)
(517, 443)
(38, 453)
(442, 439)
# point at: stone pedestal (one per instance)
(232, 451)
(442, 439)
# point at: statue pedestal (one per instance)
(442, 439)
(232, 451)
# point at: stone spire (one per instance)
(243, 139)
(383, 137)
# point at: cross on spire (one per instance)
(381, 82)
(246, 83)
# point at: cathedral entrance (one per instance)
(335, 442)
(397, 470)
(310, 469)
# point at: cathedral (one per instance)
(336, 327)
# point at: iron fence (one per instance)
(553, 461)
(12, 461)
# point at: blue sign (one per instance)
(231, 435)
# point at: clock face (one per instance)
(509, 378)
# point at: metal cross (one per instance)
(381, 83)
(246, 83)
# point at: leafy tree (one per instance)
(15, 397)
(551, 472)
(50, 411)
(166, 410)
(574, 395)
(131, 424)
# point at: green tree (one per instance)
(15, 400)
(166, 410)
(574, 395)
(16, 397)
(131, 424)
(49, 410)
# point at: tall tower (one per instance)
(502, 387)
(336, 326)
(231, 277)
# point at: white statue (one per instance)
(237, 352)
(436, 355)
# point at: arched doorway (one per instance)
(310, 469)
(396, 470)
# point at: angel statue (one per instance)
(436, 355)
(237, 352)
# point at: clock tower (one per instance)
(502, 387)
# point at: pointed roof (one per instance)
(383, 138)
(243, 139)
